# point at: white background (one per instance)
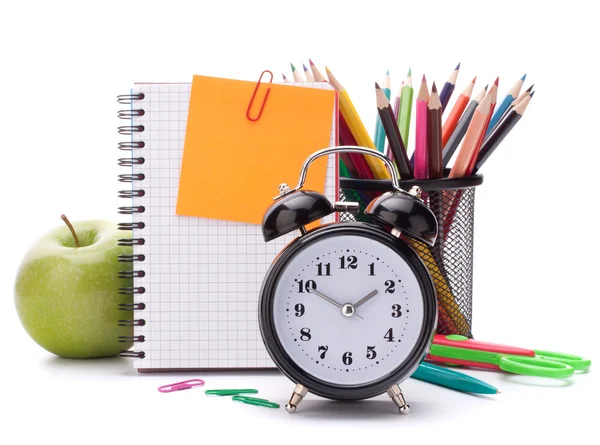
(62, 65)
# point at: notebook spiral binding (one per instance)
(134, 180)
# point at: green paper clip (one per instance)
(229, 392)
(255, 401)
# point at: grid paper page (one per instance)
(202, 276)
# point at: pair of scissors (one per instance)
(460, 350)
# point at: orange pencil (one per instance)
(457, 111)
(469, 145)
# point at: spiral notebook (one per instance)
(195, 280)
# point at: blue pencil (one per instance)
(452, 379)
(512, 94)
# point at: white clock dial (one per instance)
(348, 310)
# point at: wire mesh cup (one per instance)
(450, 260)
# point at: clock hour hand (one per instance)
(332, 301)
(366, 298)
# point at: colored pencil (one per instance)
(522, 96)
(512, 94)
(285, 79)
(452, 379)
(476, 127)
(434, 135)
(461, 128)
(308, 74)
(448, 88)
(450, 316)
(514, 104)
(344, 172)
(318, 77)
(420, 154)
(390, 129)
(363, 170)
(493, 93)
(406, 108)
(468, 150)
(379, 132)
(357, 127)
(397, 101)
(456, 112)
(434, 158)
(501, 131)
(297, 77)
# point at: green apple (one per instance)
(67, 297)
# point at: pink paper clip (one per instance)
(187, 384)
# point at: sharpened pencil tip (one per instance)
(474, 79)
(310, 62)
(457, 66)
(423, 80)
(486, 87)
(409, 73)
(497, 80)
(304, 66)
(377, 86)
(524, 76)
(284, 78)
(498, 391)
(530, 88)
(433, 88)
(293, 67)
(387, 73)
(531, 94)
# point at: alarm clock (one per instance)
(348, 310)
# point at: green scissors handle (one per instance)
(574, 361)
(535, 366)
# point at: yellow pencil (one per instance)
(357, 127)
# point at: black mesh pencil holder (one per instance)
(450, 260)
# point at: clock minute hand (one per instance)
(329, 300)
(324, 297)
(366, 298)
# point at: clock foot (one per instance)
(397, 397)
(299, 393)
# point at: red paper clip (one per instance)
(254, 119)
(187, 384)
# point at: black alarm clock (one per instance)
(348, 310)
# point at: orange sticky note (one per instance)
(231, 166)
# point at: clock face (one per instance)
(349, 310)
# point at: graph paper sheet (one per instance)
(202, 276)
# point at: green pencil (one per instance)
(404, 113)
(379, 132)
(452, 379)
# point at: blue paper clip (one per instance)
(186, 384)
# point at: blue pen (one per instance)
(452, 379)
(512, 94)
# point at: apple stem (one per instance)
(70, 226)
